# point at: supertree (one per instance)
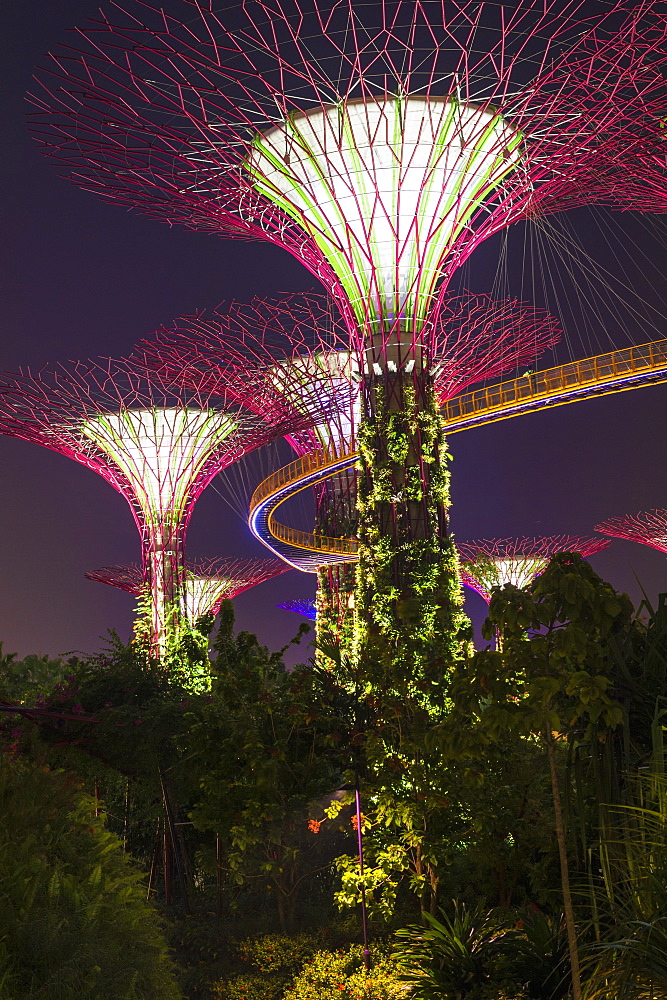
(205, 585)
(649, 527)
(157, 443)
(380, 144)
(490, 563)
(475, 338)
(305, 608)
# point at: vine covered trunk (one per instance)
(408, 602)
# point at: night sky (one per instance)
(80, 279)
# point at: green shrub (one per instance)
(250, 987)
(277, 959)
(341, 975)
(74, 921)
(272, 952)
(466, 956)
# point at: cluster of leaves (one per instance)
(342, 975)
(335, 607)
(267, 746)
(474, 954)
(271, 952)
(74, 921)
(33, 677)
(553, 673)
(410, 625)
(455, 787)
(271, 962)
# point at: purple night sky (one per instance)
(80, 278)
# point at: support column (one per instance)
(409, 620)
(163, 554)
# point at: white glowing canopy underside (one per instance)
(201, 595)
(329, 381)
(161, 451)
(385, 187)
(496, 572)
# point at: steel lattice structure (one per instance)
(206, 582)
(379, 144)
(474, 338)
(490, 563)
(649, 527)
(157, 443)
(301, 124)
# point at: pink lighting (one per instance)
(490, 563)
(648, 528)
(157, 443)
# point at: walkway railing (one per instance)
(568, 381)
(312, 542)
(612, 372)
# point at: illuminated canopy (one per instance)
(385, 188)
(648, 528)
(305, 608)
(377, 142)
(161, 451)
(496, 562)
(157, 441)
(206, 583)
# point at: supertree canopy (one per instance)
(380, 144)
(157, 443)
(302, 123)
(649, 527)
(205, 585)
(495, 562)
(474, 338)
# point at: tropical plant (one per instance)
(32, 678)
(629, 959)
(541, 961)
(551, 678)
(265, 746)
(74, 921)
(456, 956)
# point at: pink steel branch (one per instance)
(207, 582)
(473, 338)
(156, 443)
(648, 528)
(490, 563)
(250, 132)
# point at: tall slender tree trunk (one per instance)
(564, 870)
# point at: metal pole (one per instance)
(360, 843)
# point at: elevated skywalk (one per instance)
(616, 371)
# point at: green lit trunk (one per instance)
(408, 603)
(337, 518)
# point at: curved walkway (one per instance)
(616, 371)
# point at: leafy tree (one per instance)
(74, 921)
(264, 746)
(551, 678)
(33, 678)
